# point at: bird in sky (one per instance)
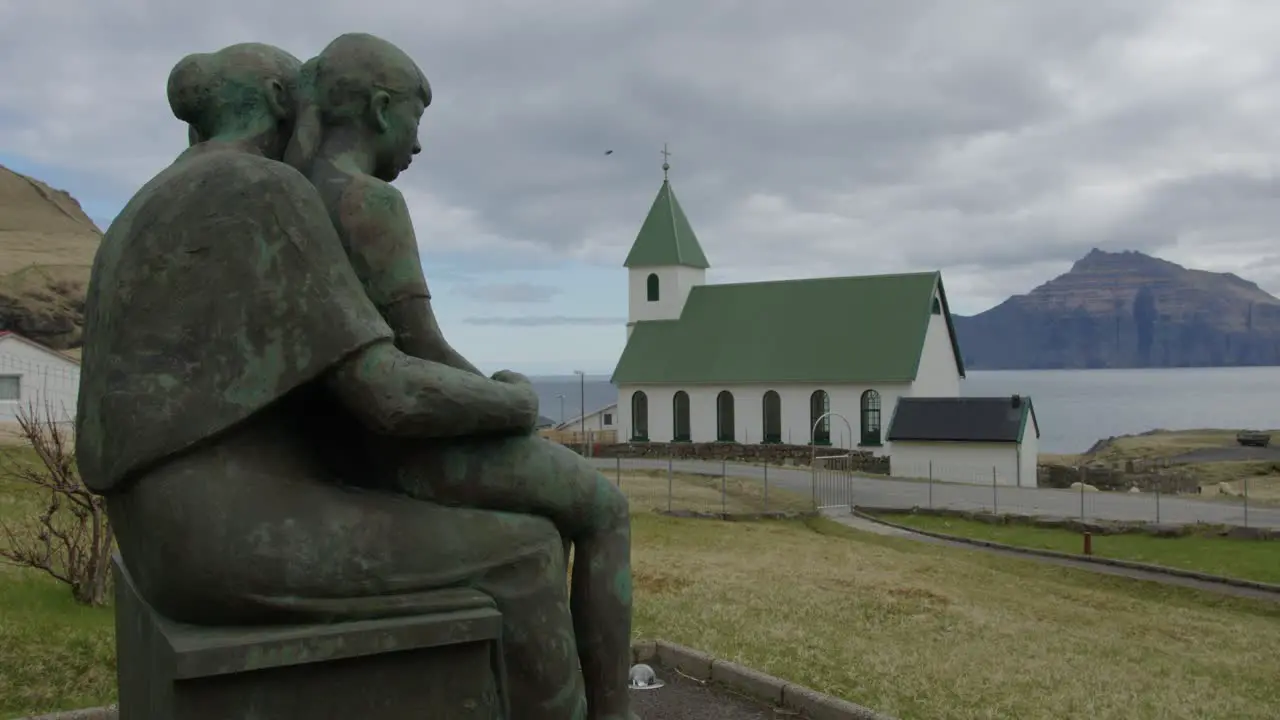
(608, 152)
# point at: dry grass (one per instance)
(915, 630)
(1069, 459)
(920, 631)
(649, 490)
(1166, 443)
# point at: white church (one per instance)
(820, 361)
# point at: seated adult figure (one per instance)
(227, 344)
(362, 101)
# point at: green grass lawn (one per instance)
(1247, 559)
(54, 654)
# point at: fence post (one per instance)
(1246, 502)
(670, 483)
(930, 484)
(618, 482)
(1158, 501)
(995, 494)
(724, 487)
(766, 485)
(1082, 484)
(813, 477)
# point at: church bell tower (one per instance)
(665, 262)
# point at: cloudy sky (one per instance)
(995, 140)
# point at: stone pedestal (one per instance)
(444, 664)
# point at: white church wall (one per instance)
(961, 462)
(674, 284)
(938, 374)
(844, 400)
(40, 376)
(1030, 454)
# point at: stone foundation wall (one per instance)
(772, 454)
(1147, 478)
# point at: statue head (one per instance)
(371, 92)
(242, 93)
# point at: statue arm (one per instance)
(396, 394)
(394, 276)
(418, 334)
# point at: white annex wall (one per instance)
(44, 376)
(938, 374)
(1030, 455)
(963, 462)
(602, 419)
(748, 406)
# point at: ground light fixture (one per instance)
(644, 678)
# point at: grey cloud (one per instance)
(545, 320)
(978, 137)
(510, 292)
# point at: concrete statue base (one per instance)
(442, 664)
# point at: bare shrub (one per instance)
(65, 533)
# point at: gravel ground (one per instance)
(685, 699)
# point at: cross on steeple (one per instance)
(665, 165)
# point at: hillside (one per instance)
(1127, 310)
(46, 248)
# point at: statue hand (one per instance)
(511, 377)
(524, 401)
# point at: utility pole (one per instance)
(582, 396)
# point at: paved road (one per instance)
(839, 489)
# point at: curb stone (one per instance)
(110, 712)
(1129, 564)
(752, 683)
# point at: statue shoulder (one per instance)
(367, 199)
(254, 183)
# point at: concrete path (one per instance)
(842, 489)
(874, 527)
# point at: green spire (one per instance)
(666, 238)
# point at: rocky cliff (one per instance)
(1127, 310)
(46, 248)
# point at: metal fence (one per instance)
(835, 482)
(715, 488)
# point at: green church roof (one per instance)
(666, 238)
(828, 330)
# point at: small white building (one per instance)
(606, 418)
(978, 440)
(34, 376)
(766, 361)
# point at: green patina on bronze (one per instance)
(351, 152)
(283, 434)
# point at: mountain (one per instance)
(46, 249)
(1126, 310)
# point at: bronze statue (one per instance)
(363, 99)
(235, 374)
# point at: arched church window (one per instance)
(680, 417)
(819, 406)
(870, 418)
(772, 417)
(652, 287)
(724, 417)
(640, 416)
